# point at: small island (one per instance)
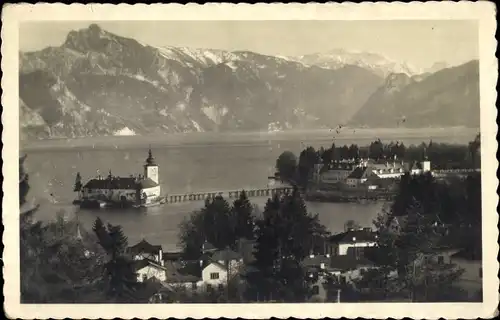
(121, 192)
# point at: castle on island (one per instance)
(136, 191)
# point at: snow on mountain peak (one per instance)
(338, 58)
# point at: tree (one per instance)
(119, 279)
(214, 223)
(376, 150)
(474, 148)
(53, 261)
(351, 224)
(286, 165)
(353, 151)
(23, 181)
(242, 212)
(344, 152)
(408, 237)
(285, 236)
(307, 160)
(78, 184)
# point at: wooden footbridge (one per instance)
(232, 194)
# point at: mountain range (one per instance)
(97, 83)
(446, 98)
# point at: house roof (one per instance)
(354, 236)
(216, 264)
(147, 183)
(348, 262)
(139, 264)
(226, 255)
(145, 247)
(127, 183)
(340, 167)
(359, 172)
(315, 261)
(177, 273)
(171, 255)
(207, 246)
(471, 254)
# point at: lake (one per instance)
(191, 163)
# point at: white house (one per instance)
(145, 250)
(358, 177)
(231, 260)
(336, 172)
(340, 268)
(351, 241)
(211, 272)
(147, 269)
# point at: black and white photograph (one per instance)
(252, 163)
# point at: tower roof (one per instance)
(150, 161)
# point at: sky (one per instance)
(418, 43)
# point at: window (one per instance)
(440, 260)
(221, 287)
(481, 272)
(362, 271)
(214, 276)
(144, 277)
(194, 286)
(315, 290)
(209, 288)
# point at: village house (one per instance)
(351, 242)
(339, 269)
(149, 269)
(146, 251)
(359, 177)
(356, 173)
(334, 173)
(211, 272)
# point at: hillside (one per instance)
(449, 97)
(98, 83)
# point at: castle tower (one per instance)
(151, 168)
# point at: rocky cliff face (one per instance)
(98, 83)
(449, 97)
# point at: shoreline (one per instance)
(185, 140)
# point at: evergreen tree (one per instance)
(119, 280)
(242, 212)
(307, 159)
(214, 223)
(23, 181)
(474, 151)
(286, 165)
(285, 236)
(376, 150)
(53, 264)
(408, 240)
(78, 183)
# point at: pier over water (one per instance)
(233, 194)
